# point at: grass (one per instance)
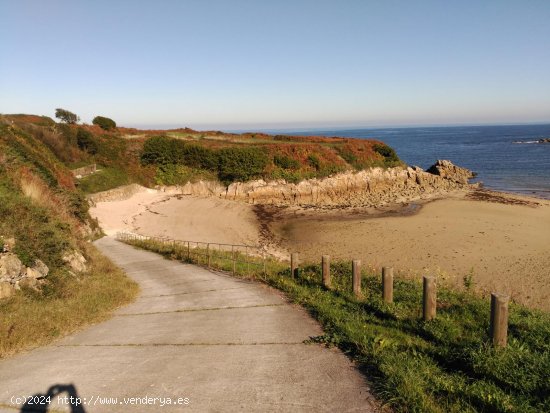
(47, 217)
(103, 180)
(445, 365)
(31, 319)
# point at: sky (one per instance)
(299, 64)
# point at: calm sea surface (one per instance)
(491, 151)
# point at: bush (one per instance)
(314, 161)
(285, 162)
(161, 150)
(241, 164)
(197, 156)
(85, 141)
(104, 123)
(390, 157)
(66, 116)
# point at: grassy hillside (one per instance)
(45, 217)
(170, 157)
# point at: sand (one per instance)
(502, 244)
(189, 218)
(504, 247)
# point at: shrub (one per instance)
(66, 116)
(161, 150)
(314, 161)
(197, 156)
(104, 123)
(390, 157)
(241, 164)
(285, 162)
(85, 141)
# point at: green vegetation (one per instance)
(103, 180)
(241, 164)
(444, 365)
(104, 123)
(45, 214)
(286, 162)
(85, 141)
(66, 116)
(390, 157)
(66, 304)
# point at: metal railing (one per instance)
(208, 254)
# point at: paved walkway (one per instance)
(223, 344)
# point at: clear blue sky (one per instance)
(278, 64)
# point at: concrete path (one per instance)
(209, 342)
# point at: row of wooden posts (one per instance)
(499, 302)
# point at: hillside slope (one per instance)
(51, 279)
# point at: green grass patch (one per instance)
(103, 180)
(445, 365)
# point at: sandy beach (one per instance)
(500, 240)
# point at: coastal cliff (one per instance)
(373, 187)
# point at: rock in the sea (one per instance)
(544, 140)
(6, 289)
(75, 260)
(448, 170)
(11, 267)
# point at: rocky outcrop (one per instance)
(373, 187)
(14, 275)
(75, 260)
(447, 170)
(544, 140)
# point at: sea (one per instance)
(506, 158)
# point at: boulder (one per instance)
(6, 290)
(37, 271)
(448, 170)
(75, 260)
(11, 267)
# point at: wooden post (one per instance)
(429, 298)
(326, 270)
(356, 277)
(208, 255)
(234, 259)
(247, 261)
(499, 319)
(188, 252)
(387, 284)
(294, 264)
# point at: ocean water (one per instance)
(506, 158)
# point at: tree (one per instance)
(66, 116)
(85, 141)
(104, 123)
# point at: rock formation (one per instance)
(374, 187)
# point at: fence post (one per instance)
(247, 261)
(387, 284)
(356, 277)
(264, 261)
(188, 252)
(326, 270)
(208, 255)
(499, 319)
(234, 259)
(294, 264)
(429, 298)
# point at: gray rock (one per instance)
(10, 267)
(6, 290)
(75, 260)
(37, 271)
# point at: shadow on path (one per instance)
(55, 396)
